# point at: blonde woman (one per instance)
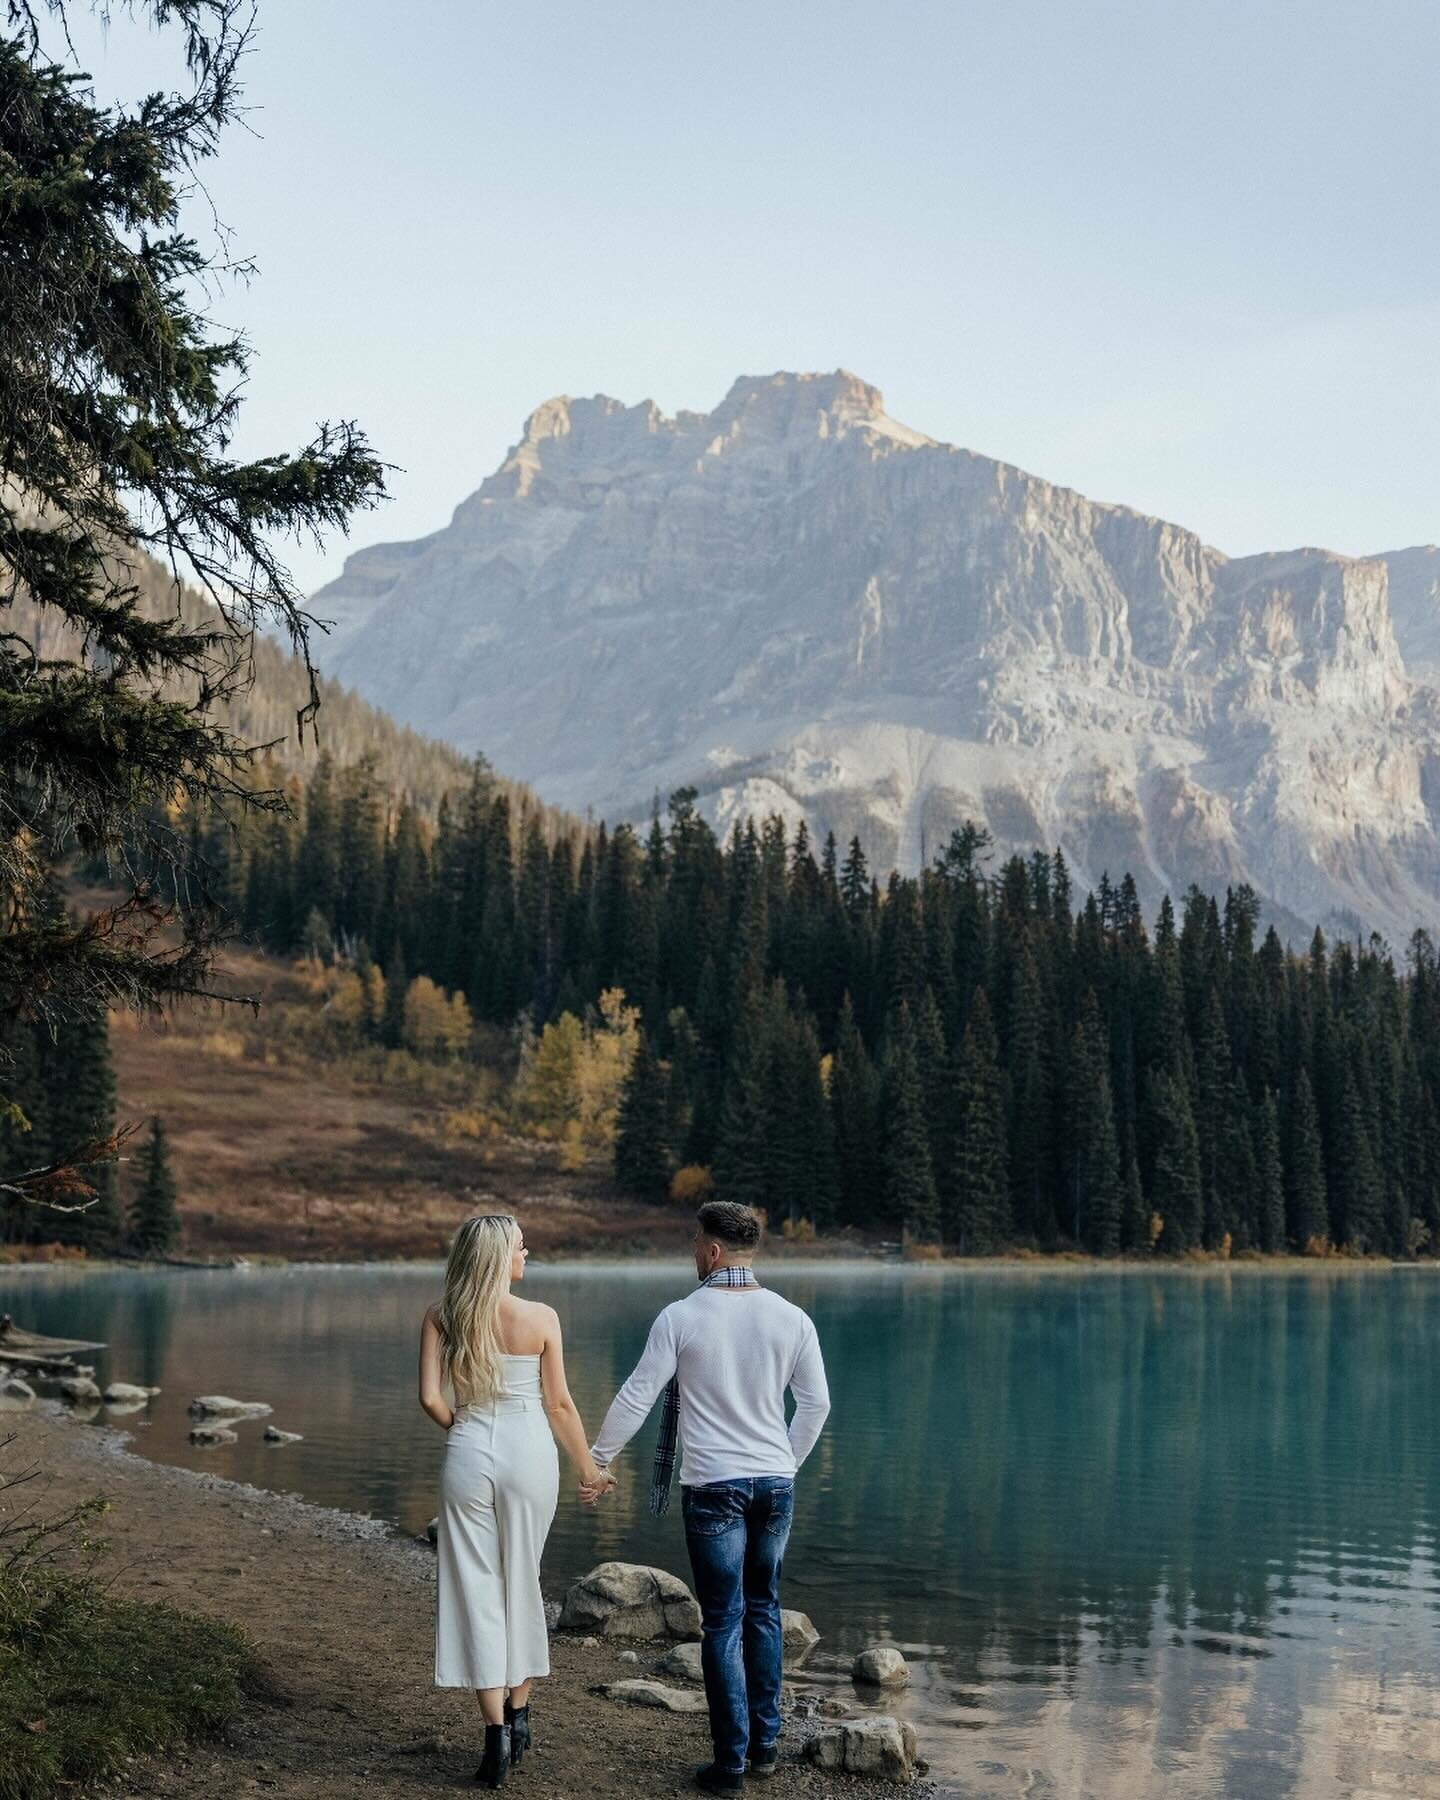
(503, 1360)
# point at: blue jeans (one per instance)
(736, 1533)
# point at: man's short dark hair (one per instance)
(729, 1223)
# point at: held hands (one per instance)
(595, 1483)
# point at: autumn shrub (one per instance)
(691, 1185)
(568, 1085)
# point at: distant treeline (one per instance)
(967, 1057)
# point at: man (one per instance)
(724, 1357)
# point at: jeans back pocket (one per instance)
(709, 1511)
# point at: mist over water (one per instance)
(1136, 1531)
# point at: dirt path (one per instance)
(343, 1616)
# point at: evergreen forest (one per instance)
(976, 1058)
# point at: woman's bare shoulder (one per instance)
(432, 1315)
(531, 1318)
(523, 1328)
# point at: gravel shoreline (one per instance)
(341, 1608)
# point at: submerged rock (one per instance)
(631, 1601)
(274, 1435)
(880, 1666)
(213, 1434)
(221, 1406)
(124, 1392)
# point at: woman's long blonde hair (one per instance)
(477, 1279)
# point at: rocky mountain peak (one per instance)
(788, 401)
(800, 605)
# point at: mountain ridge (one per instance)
(798, 604)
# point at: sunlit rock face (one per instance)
(799, 605)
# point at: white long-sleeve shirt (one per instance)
(736, 1350)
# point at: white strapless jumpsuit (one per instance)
(499, 1481)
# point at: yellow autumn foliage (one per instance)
(569, 1084)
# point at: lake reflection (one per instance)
(1138, 1532)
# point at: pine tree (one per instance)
(909, 1180)
(798, 1128)
(977, 1217)
(741, 1164)
(1307, 1211)
(1104, 1190)
(937, 1080)
(642, 1159)
(1357, 1206)
(1269, 1175)
(1030, 1107)
(80, 1079)
(1092, 1155)
(855, 882)
(1176, 1191)
(154, 1209)
(1134, 1215)
(1212, 1070)
(855, 1112)
(1236, 1211)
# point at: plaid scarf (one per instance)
(664, 1469)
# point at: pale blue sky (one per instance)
(1184, 257)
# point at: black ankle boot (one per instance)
(495, 1763)
(518, 1719)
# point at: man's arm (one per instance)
(812, 1395)
(631, 1406)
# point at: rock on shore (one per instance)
(883, 1747)
(631, 1601)
(15, 1395)
(654, 1693)
(800, 1636)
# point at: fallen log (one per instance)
(13, 1340)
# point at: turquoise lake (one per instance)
(1138, 1532)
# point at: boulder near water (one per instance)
(274, 1435)
(800, 1636)
(79, 1389)
(880, 1666)
(15, 1395)
(123, 1392)
(631, 1601)
(875, 1747)
(681, 1663)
